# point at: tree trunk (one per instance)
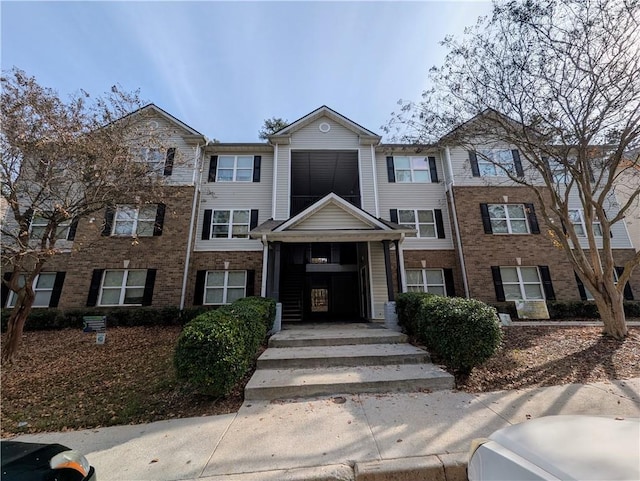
(15, 325)
(611, 309)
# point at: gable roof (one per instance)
(163, 113)
(325, 111)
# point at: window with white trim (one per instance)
(521, 283)
(122, 287)
(224, 287)
(422, 220)
(235, 168)
(130, 220)
(587, 292)
(230, 224)
(42, 287)
(559, 172)
(488, 158)
(39, 227)
(426, 280)
(508, 218)
(412, 169)
(152, 156)
(577, 219)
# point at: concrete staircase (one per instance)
(325, 359)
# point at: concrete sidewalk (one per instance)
(343, 437)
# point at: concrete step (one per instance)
(335, 336)
(269, 384)
(345, 355)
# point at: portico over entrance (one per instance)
(332, 261)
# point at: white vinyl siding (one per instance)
(283, 193)
(367, 187)
(378, 279)
(331, 217)
(310, 137)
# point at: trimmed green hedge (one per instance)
(217, 348)
(407, 308)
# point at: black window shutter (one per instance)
(251, 278)
(109, 214)
(147, 296)
(257, 162)
(94, 288)
(393, 215)
(532, 218)
(71, 235)
(433, 170)
(28, 217)
(473, 158)
(198, 295)
(564, 227)
(391, 173)
(213, 166)
(547, 285)
(581, 289)
(168, 163)
(517, 163)
(206, 224)
(158, 226)
(57, 289)
(254, 219)
(486, 219)
(497, 283)
(439, 223)
(5, 290)
(628, 293)
(448, 282)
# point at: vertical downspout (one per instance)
(274, 196)
(449, 188)
(196, 179)
(265, 261)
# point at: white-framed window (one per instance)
(153, 156)
(558, 170)
(235, 168)
(122, 287)
(488, 158)
(42, 286)
(230, 224)
(508, 218)
(521, 283)
(39, 226)
(422, 220)
(426, 280)
(587, 292)
(224, 287)
(411, 169)
(130, 220)
(577, 219)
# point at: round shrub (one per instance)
(265, 307)
(463, 332)
(408, 307)
(211, 353)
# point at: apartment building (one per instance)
(326, 219)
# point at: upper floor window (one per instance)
(39, 225)
(228, 223)
(408, 169)
(558, 170)
(426, 280)
(577, 219)
(135, 221)
(122, 287)
(495, 163)
(235, 168)
(150, 155)
(508, 219)
(421, 220)
(43, 286)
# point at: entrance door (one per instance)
(332, 296)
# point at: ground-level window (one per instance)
(426, 280)
(521, 283)
(122, 287)
(43, 286)
(224, 287)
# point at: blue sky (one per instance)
(223, 67)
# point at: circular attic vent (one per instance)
(324, 127)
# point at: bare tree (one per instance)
(60, 162)
(271, 126)
(559, 81)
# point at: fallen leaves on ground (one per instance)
(62, 380)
